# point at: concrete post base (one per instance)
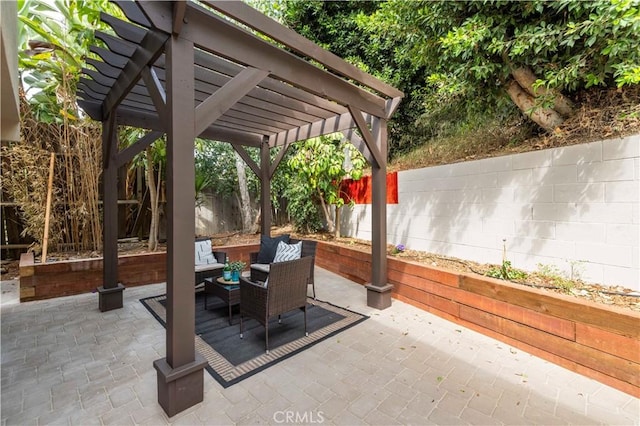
(379, 297)
(182, 387)
(110, 298)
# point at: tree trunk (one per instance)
(245, 201)
(153, 196)
(526, 79)
(546, 118)
(331, 226)
(337, 234)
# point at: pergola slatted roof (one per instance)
(182, 70)
(275, 108)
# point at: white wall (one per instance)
(9, 105)
(556, 207)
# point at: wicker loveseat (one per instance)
(284, 291)
(260, 269)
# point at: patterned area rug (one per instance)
(232, 359)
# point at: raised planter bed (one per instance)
(65, 278)
(594, 340)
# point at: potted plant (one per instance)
(236, 267)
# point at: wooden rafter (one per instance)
(245, 14)
(221, 37)
(149, 49)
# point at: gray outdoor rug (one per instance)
(232, 359)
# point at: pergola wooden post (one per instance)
(379, 290)
(180, 69)
(180, 375)
(265, 190)
(110, 293)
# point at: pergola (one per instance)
(191, 70)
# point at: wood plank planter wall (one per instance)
(599, 342)
(65, 278)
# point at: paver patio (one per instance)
(64, 362)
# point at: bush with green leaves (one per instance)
(316, 170)
(506, 272)
(464, 63)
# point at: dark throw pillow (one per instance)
(268, 247)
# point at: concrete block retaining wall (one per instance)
(572, 207)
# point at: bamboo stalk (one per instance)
(47, 214)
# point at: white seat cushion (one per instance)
(209, 267)
(263, 267)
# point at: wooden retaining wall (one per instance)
(593, 340)
(65, 278)
(596, 341)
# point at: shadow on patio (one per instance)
(65, 362)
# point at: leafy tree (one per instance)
(465, 63)
(531, 50)
(344, 29)
(317, 170)
(216, 160)
(214, 170)
(54, 37)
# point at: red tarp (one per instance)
(360, 190)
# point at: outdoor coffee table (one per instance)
(228, 291)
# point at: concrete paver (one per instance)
(64, 362)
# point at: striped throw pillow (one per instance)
(286, 252)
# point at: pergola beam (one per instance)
(150, 48)
(227, 96)
(367, 136)
(333, 124)
(247, 15)
(179, 9)
(137, 147)
(221, 37)
(149, 120)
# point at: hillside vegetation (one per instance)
(602, 114)
(490, 77)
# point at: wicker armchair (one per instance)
(260, 272)
(285, 291)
